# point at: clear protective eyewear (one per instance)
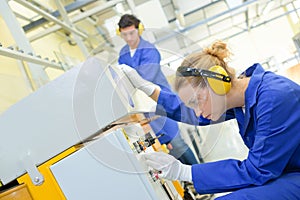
(125, 34)
(197, 99)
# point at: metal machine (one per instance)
(94, 108)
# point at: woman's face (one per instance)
(203, 100)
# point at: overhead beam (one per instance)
(51, 18)
(69, 8)
(77, 18)
(245, 4)
(195, 10)
(206, 20)
(256, 26)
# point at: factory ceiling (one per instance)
(213, 17)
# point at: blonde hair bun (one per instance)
(219, 50)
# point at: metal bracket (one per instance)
(36, 177)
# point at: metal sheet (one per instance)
(60, 114)
(106, 169)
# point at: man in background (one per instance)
(145, 59)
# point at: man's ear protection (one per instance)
(217, 77)
(141, 28)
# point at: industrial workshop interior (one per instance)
(74, 125)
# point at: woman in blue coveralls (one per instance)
(266, 107)
(145, 58)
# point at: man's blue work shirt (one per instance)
(270, 128)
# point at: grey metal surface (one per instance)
(106, 169)
(62, 113)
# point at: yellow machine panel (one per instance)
(49, 190)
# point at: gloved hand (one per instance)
(169, 166)
(137, 81)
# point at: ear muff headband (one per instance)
(141, 29)
(217, 77)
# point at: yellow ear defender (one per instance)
(141, 28)
(118, 31)
(220, 87)
(217, 77)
